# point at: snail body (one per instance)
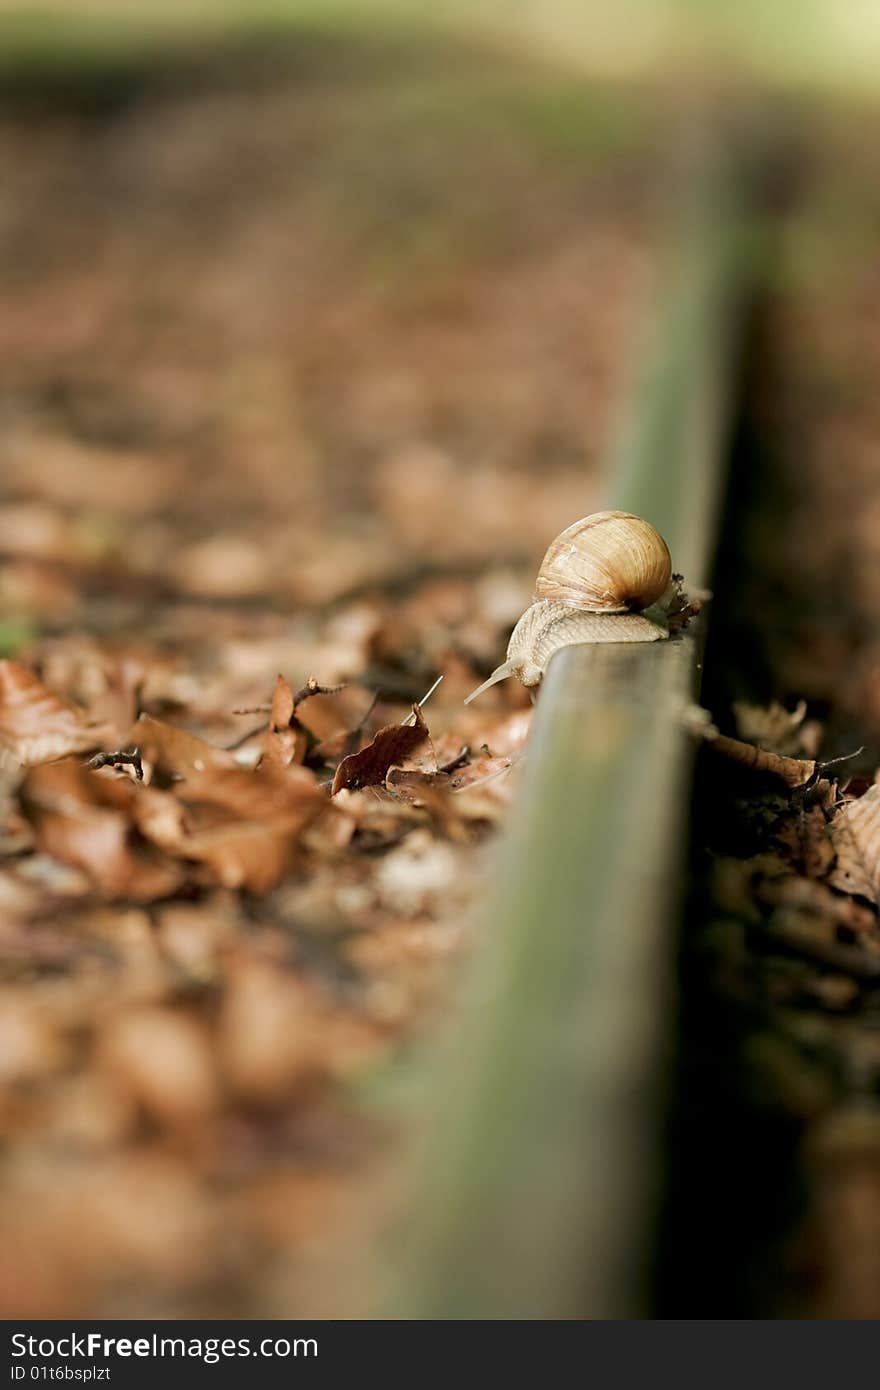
(594, 579)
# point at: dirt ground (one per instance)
(304, 360)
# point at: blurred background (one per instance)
(317, 322)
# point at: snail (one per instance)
(595, 580)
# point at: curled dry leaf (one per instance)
(855, 835)
(411, 784)
(36, 725)
(285, 741)
(392, 745)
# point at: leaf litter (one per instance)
(781, 981)
(279, 453)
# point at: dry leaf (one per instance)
(242, 825)
(174, 752)
(84, 819)
(391, 746)
(36, 726)
(429, 792)
(326, 714)
(481, 770)
(285, 741)
(855, 835)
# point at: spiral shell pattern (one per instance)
(610, 562)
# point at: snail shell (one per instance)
(610, 562)
(593, 579)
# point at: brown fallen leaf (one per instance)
(285, 740)
(242, 854)
(327, 711)
(379, 819)
(429, 792)
(36, 725)
(412, 784)
(855, 836)
(330, 833)
(174, 752)
(84, 819)
(391, 746)
(291, 794)
(243, 826)
(480, 770)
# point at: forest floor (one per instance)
(303, 363)
(304, 358)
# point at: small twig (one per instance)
(844, 758)
(458, 761)
(359, 728)
(122, 758)
(411, 718)
(795, 772)
(353, 737)
(312, 687)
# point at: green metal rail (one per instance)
(547, 1147)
